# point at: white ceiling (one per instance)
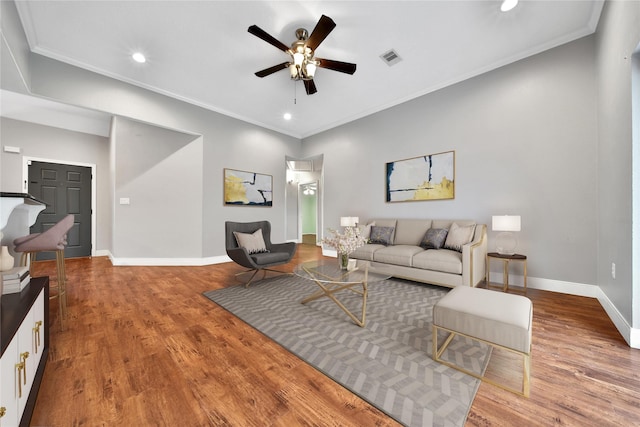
(201, 52)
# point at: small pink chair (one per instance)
(52, 240)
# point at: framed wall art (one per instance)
(242, 188)
(430, 177)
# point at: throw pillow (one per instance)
(459, 236)
(381, 235)
(365, 230)
(253, 243)
(434, 238)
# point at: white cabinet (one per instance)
(21, 363)
(9, 377)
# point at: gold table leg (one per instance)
(331, 288)
(505, 277)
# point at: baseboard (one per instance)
(173, 262)
(560, 286)
(330, 253)
(630, 335)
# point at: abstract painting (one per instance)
(243, 188)
(430, 177)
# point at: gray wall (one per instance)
(525, 138)
(63, 146)
(618, 36)
(150, 172)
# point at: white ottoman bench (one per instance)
(498, 319)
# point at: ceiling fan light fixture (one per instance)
(298, 59)
(293, 70)
(303, 64)
(310, 69)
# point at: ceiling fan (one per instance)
(303, 63)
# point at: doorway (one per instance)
(66, 189)
(304, 176)
(308, 199)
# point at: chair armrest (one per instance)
(23, 239)
(474, 256)
(40, 242)
(241, 256)
(289, 247)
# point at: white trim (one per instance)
(630, 335)
(174, 262)
(560, 286)
(634, 338)
(13, 59)
(329, 252)
(94, 186)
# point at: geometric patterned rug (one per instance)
(387, 363)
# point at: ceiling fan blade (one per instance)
(310, 87)
(271, 70)
(343, 67)
(324, 26)
(260, 33)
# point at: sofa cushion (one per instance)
(434, 238)
(366, 252)
(443, 260)
(459, 236)
(381, 235)
(410, 231)
(397, 254)
(385, 223)
(265, 258)
(365, 230)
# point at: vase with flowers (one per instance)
(344, 243)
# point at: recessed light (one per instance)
(287, 116)
(139, 57)
(507, 5)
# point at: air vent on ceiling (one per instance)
(391, 57)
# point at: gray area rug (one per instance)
(388, 362)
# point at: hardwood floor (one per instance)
(144, 347)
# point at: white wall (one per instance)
(525, 138)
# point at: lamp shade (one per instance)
(505, 223)
(349, 221)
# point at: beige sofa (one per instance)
(404, 258)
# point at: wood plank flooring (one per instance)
(144, 347)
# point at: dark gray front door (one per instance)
(66, 189)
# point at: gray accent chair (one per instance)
(278, 253)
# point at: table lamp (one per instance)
(349, 221)
(506, 241)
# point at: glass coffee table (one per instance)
(331, 279)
